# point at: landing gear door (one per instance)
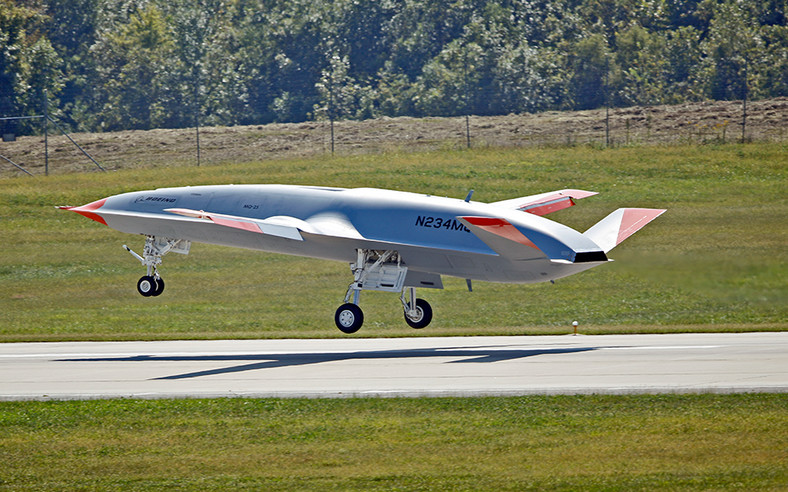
(181, 247)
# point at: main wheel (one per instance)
(146, 286)
(159, 287)
(349, 318)
(423, 315)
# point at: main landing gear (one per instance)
(151, 284)
(381, 271)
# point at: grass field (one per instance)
(716, 261)
(670, 442)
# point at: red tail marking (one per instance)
(501, 227)
(634, 219)
(554, 202)
(549, 207)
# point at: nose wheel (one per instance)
(150, 286)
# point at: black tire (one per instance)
(349, 318)
(159, 287)
(423, 317)
(146, 286)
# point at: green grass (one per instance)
(673, 442)
(716, 261)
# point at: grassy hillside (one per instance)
(692, 123)
(715, 261)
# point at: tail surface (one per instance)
(619, 225)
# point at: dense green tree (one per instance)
(772, 78)
(136, 57)
(341, 96)
(731, 51)
(683, 52)
(641, 56)
(590, 66)
(29, 65)
(119, 64)
(71, 27)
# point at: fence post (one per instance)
(46, 134)
(744, 107)
(605, 92)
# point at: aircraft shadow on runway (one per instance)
(270, 361)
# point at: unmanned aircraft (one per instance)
(394, 241)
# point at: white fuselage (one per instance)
(426, 231)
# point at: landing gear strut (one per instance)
(418, 312)
(151, 284)
(381, 271)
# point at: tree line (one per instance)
(107, 65)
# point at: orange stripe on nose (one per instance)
(88, 210)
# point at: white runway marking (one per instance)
(466, 366)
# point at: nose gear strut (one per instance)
(151, 284)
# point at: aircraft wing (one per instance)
(545, 203)
(327, 224)
(279, 228)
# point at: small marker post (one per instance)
(574, 326)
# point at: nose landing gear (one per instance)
(151, 284)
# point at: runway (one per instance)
(404, 367)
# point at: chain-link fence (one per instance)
(693, 124)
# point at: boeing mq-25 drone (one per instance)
(394, 241)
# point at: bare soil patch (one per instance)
(695, 123)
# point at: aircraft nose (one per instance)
(89, 210)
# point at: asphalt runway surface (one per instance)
(408, 367)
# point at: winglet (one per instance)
(619, 225)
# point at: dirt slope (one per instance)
(690, 123)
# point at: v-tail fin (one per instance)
(619, 225)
